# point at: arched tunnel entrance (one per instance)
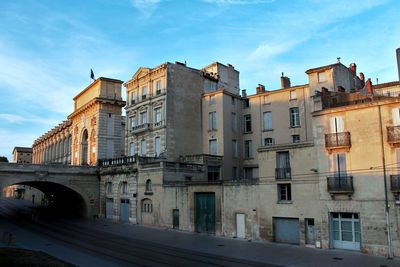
(61, 202)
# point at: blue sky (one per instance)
(47, 48)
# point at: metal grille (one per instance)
(338, 139)
(393, 133)
(340, 183)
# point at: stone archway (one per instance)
(84, 148)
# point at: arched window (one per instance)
(124, 188)
(149, 186)
(109, 188)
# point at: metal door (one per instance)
(205, 212)
(240, 225)
(310, 236)
(175, 218)
(109, 208)
(286, 230)
(124, 210)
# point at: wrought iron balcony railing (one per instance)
(340, 184)
(117, 161)
(395, 183)
(338, 140)
(393, 134)
(283, 173)
(158, 124)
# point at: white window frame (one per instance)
(212, 120)
(157, 145)
(212, 99)
(143, 117)
(294, 117)
(143, 147)
(144, 92)
(248, 149)
(267, 116)
(213, 147)
(131, 149)
(247, 118)
(157, 115)
(293, 95)
(294, 138)
(133, 121)
(269, 143)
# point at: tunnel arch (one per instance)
(63, 201)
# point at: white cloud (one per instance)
(268, 50)
(146, 7)
(10, 139)
(13, 118)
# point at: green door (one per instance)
(205, 212)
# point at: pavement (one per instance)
(254, 250)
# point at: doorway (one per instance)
(205, 212)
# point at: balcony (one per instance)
(158, 92)
(158, 124)
(395, 183)
(117, 161)
(133, 102)
(283, 173)
(143, 97)
(393, 134)
(337, 140)
(140, 128)
(340, 185)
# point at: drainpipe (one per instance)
(386, 191)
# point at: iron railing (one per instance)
(283, 173)
(117, 161)
(340, 183)
(393, 134)
(338, 140)
(140, 128)
(395, 182)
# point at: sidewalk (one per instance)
(260, 251)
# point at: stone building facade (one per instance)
(93, 131)
(257, 166)
(22, 154)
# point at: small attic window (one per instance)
(321, 76)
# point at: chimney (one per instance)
(369, 87)
(353, 68)
(362, 78)
(398, 60)
(244, 93)
(230, 66)
(285, 82)
(260, 89)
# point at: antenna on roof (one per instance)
(338, 59)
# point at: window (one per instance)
(143, 117)
(149, 186)
(266, 100)
(213, 173)
(321, 77)
(158, 87)
(212, 99)
(233, 100)
(133, 98)
(248, 153)
(157, 115)
(158, 146)
(212, 119)
(292, 95)
(337, 125)
(131, 149)
(234, 173)
(284, 193)
(234, 150)
(246, 103)
(248, 173)
(144, 92)
(133, 122)
(396, 116)
(109, 188)
(213, 147)
(267, 120)
(233, 118)
(124, 188)
(143, 147)
(283, 165)
(269, 141)
(147, 206)
(339, 163)
(295, 138)
(247, 123)
(294, 117)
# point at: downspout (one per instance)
(385, 184)
(305, 114)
